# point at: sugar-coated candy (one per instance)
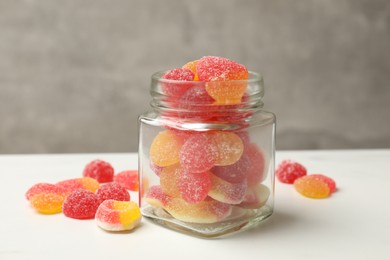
(229, 147)
(81, 204)
(128, 179)
(223, 79)
(255, 197)
(165, 149)
(331, 183)
(198, 153)
(196, 103)
(85, 183)
(288, 171)
(156, 197)
(257, 170)
(169, 180)
(155, 168)
(44, 188)
(112, 191)
(312, 187)
(236, 172)
(179, 87)
(192, 67)
(100, 170)
(47, 203)
(206, 211)
(223, 191)
(194, 187)
(113, 215)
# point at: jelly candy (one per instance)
(257, 168)
(194, 187)
(236, 172)
(223, 191)
(81, 204)
(312, 187)
(128, 179)
(85, 183)
(44, 188)
(169, 180)
(255, 197)
(113, 215)
(156, 197)
(331, 183)
(192, 67)
(198, 153)
(156, 169)
(288, 171)
(165, 149)
(196, 103)
(47, 202)
(176, 89)
(112, 191)
(100, 170)
(229, 147)
(206, 211)
(223, 79)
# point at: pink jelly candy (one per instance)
(198, 154)
(236, 172)
(128, 179)
(155, 168)
(84, 183)
(196, 103)
(81, 204)
(194, 187)
(288, 171)
(226, 192)
(156, 197)
(256, 172)
(113, 191)
(176, 89)
(100, 170)
(44, 188)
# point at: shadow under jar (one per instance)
(206, 167)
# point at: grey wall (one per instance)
(74, 74)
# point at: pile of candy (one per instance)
(87, 198)
(204, 175)
(316, 186)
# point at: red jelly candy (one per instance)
(156, 197)
(194, 187)
(176, 89)
(196, 103)
(198, 154)
(84, 183)
(256, 173)
(113, 191)
(288, 171)
(81, 204)
(100, 170)
(44, 188)
(128, 179)
(236, 172)
(329, 181)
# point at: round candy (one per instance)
(100, 170)
(236, 172)
(113, 215)
(223, 191)
(176, 89)
(85, 183)
(156, 197)
(128, 179)
(257, 170)
(112, 191)
(229, 147)
(312, 187)
(194, 187)
(47, 203)
(331, 183)
(165, 149)
(288, 171)
(192, 67)
(44, 188)
(81, 204)
(169, 180)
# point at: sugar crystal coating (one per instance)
(194, 187)
(257, 170)
(112, 191)
(85, 183)
(312, 187)
(288, 171)
(113, 215)
(176, 89)
(100, 170)
(255, 197)
(192, 67)
(128, 179)
(165, 149)
(223, 191)
(331, 183)
(47, 203)
(44, 188)
(81, 204)
(169, 180)
(236, 172)
(155, 168)
(229, 147)
(156, 197)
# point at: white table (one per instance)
(353, 224)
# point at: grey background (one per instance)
(74, 74)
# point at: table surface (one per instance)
(352, 224)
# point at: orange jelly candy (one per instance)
(165, 149)
(169, 180)
(312, 187)
(192, 67)
(48, 203)
(229, 147)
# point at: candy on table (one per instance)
(223, 191)
(44, 188)
(331, 183)
(128, 179)
(165, 149)
(198, 153)
(176, 89)
(255, 197)
(257, 170)
(46, 198)
(229, 147)
(156, 197)
(223, 79)
(113, 215)
(206, 211)
(192, 67)
(288, 171)
(312, 187)
(169, 180)
(100, 170)
(194, 187)
(236, 172)
(81, 204)
(112, 191)
(85, 183)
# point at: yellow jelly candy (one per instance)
(165, 149)
(312, 187)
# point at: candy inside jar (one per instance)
(206, 149)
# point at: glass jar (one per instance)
(206, 167)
